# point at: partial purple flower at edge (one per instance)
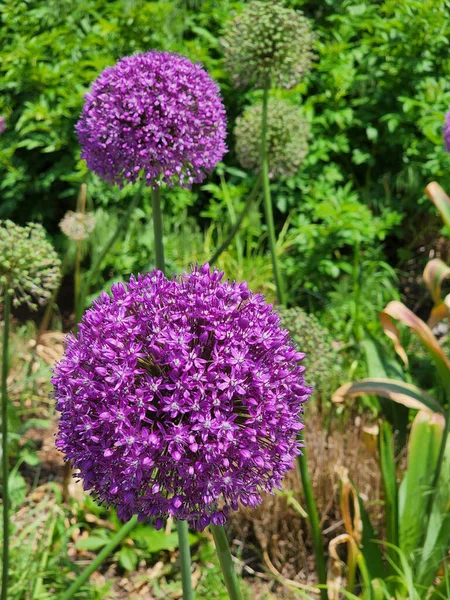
(2, 125)
(446, 131)
(157, 114)
(180, 397)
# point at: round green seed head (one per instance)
(30, 269)
(268, 41)
(322, 362)
(287, 138)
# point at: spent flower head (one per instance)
(268, 41)
(155, 116)
(30, 269)
(287, 138)
(77, 226)
(180, 397)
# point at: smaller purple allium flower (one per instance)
(154, 115)
(446, 131)
(180, 397)
(2, 125)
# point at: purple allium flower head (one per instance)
(155, 114)
(180, 397)
(446, 131)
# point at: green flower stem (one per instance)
(226, 562)
(182, 526)
(268, 200)
(77, 277)
(103, 555)
(51, 303)
(158, 229)
(315, 524)
(121, 226)
(185, 560)
(233, 231)
(5, 456)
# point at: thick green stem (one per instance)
(313, 516)
(5, 456)
(158, 229)
(103, 555)
(182, 527)
(77, 279)
(51, 303)
(185, 560)
(233, 231)
(226, 562)
(121, 226)
(268, 200)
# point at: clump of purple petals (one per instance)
(180, 397)
(154, 115)
(447, 131)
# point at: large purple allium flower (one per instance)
(157, 114)
(180, 397)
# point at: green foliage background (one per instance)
(376, 100)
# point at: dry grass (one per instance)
(276, 527)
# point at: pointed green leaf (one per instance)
(388, 472)
(416, 487)
(404, 393)
(437, 540)
(434, 274)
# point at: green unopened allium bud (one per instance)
(287, 138)
(322, 362)
(268, 41)
(29, 266)
(77, 225)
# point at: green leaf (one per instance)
(437, 540)
(372, 133)
(128, 558)
(93, 542)
(398, 391)
(416, 487)
(388, 473)
(17, 488)
(30, 458)
(156, 541)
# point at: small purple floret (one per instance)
(180, 397)
(154, 115)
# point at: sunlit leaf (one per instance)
(397, 310)
(439, 312)
(440, 199)
(388, 472)
(416, 487)
(434, 274)
(437, 540)
(93, 542)
(128, 558)
(404, 393)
